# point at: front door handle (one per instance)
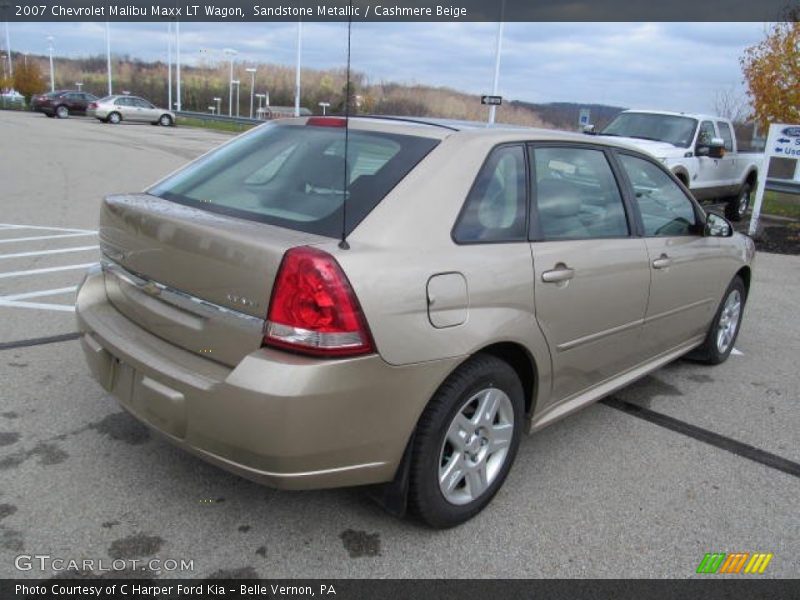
(561, 273)
(662, 262)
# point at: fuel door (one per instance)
(448, 301)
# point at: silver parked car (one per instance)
(115, 109)
(320, 303)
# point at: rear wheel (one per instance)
(466, 442)
(62, 112)
(114, 118)
(725, 327)
(736, 208)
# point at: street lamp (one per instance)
(108, 58)
(212, 109)
(324, 106)
(252, 72)
(237, 83)
(79, 84)
(50, 39)
(8, 48)
(232, 54)
(260, 99)
(218, 102)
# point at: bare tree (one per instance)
(731, 105)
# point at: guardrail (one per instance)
(204, 116)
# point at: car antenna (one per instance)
(343, 243)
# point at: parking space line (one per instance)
(48, 237)
(37, 305)
(47, 270)
(44, 252)
(737, 352)
(39, 294)
(65, 337)
(706, 436)
(42, 228)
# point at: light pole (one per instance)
(218, 102)
(212, 109)
(252, 72)
(108, 58)
(178, 63)
(297, 69)
(8, 49)
(169, 65)
(237, 83)
(50, 39)
(324, 106)
(232, 54)
(79, 84)
(498, 47)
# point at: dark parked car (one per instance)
(63, 103)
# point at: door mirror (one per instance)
(717, 226)
(715, 148)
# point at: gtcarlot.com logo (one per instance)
(720, 563)
(45, 562)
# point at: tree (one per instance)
(28, 79)
(772, 74)
(730, 105)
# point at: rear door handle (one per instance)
(560, 273)
(662, 262)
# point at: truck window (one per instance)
(725, 134)
(707, 132)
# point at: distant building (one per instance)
(279, 112)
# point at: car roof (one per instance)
(496, 133)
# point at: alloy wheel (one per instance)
(476, 446)
(729, 321)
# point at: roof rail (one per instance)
(432, 123)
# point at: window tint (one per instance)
(706, 133)
(665, 209)
(294, 176)
(725, 134)
(576, 195)
(495, 210)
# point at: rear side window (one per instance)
(297, 176)
(496, 207)
(576, 195)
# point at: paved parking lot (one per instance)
(604, 493)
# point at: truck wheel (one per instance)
(737, 206)
(466, 441)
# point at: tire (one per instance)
(737, 207)
(62, 112)
(165, 121)
(718, 344)
(114, 118)
(478, 459)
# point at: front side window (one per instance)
(725, 134)
(576, 195)
(297, 176)
(496, 207)
(706, 133)
(665, 209)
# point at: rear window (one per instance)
(297, 176)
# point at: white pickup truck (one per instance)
(699, 149)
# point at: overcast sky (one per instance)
(677, 66)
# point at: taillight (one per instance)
(314, 310)
(92, 104)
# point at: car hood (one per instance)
(657, 149)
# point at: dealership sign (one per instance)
(783, 142)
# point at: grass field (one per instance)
(216, 125)
(782, 205)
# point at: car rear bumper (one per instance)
(284, 420)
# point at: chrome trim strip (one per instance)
(182, 300)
